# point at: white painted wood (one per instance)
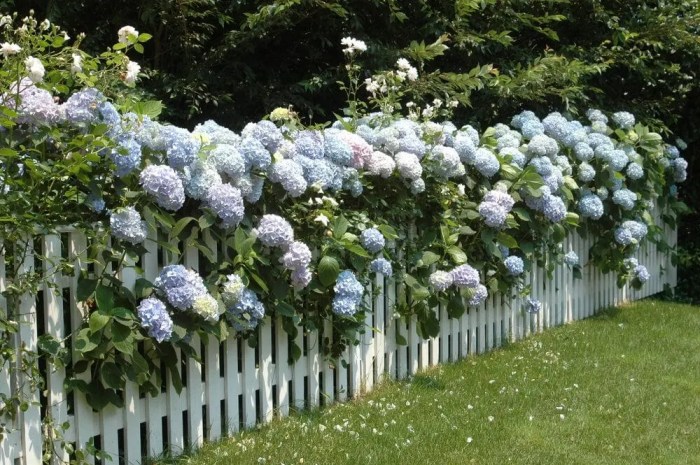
(298, 373)
(266, 370)
(282, 368)
(232, 385)
(327, 367)
(314, 368)
(380, 323)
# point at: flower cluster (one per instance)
(372, 240)
(155, 319)
(495, 207)
(184, 289)
(243, 309)
(348, 294)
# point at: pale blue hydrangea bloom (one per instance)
(274, 231)
(531, 128)
(465, 147)
(641, 273)
(630, 263)
(348, 294)
(543, 166)
(37, 106)
(266, 132)
(518, 158)
(571, 258)
(602, 193)
(441, 280)
(301, 277)
(583, 151)
(623, 236)
(500, 130)
(618, 160)
(83, 107)
(562, 162)
(623, 119)
(408, 165)
(635, 171)
(247, 313)
(202, 177)
(380, 164)
(638, 229)
(216, 134)
(672, 152)
(180, 285)
(595, 140)
(126, 156)
(596, 115)
(297, 256)
(486, 162)
(411, 144)
(586, 172)
(336, 149)
(226, 159)
(508, 140)
(227, 203)
(155, 318)
(372, 240)
(553, 208)
(680, 167)
(591, 206)
(181, 147)
(367, 133)
(321, 173)
(542, 146)
(162, 182)
(495, 207)
(257, 184)
(255, 154)
(448, 164)
(417, 186)
(465, 276)
(310, 144)
(232, 290)
(514, 265)
(555, 180)
(111, 117)
(290, 175)
(381, 266)
(127, 225)
(532, 305)
(518, 120)
(599, 127)
(95, 202)
(625, 198)
(479, 296)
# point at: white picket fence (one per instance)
(237, 386)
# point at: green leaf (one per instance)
(340, 226)
(457, 254)
(179, 226)
(285, 309)
(401, 340)
(328, 270)
(455, 306)
(356, 249)
(429, 258)
(522, 213)
(104, 295)
(111, 375)
(85, 288)
(98, 321)
(388, 231)
(507, 240)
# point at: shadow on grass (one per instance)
(428, 381)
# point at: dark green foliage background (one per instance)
(236, 61)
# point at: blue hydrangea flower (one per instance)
(336, 149)
(216, 134)
(591, 206)
(301, 277)
(571, 258)
(623, 236)
(542, 146)
(247, 313)
(162, 182)
(126, 156)
(465, 276)
(618, 160)
(266, 132)
(127, 225)
(372, 240)
(553, 208)
(411, 144)
(37, 106)
(517, 158)
(493, 214)
(514, 265)
(180, 285)
(310, 144)
(255, 154)
(257, 184)
(543, 166)
(181, 147)
(226, 201)
(321, 173)
(479, 296)
(380, 164)
(202, 177)
(348, 294)
(641, 273)
(531, 128)
(486, 162)
(155, 318)
(586, 172)
(465, 147)
(83, 107)
(381, 266)
(583, 151)
(596, 115)
(232, 290)
(417, 186)
(441, 280)
(602, 193)
(518, 120)
(623, 119)
(448, 164)
(297, 256)
(367, 133)
(95, 202)
(635, 171)
(275, 231)
(680, 169)
(532, 305)
(226, 159)
(625, 198)
(290, 174)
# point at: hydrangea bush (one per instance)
(294, 222)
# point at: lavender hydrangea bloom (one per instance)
(441, 280)
(571, 258)
(202, 178)
(180, 285)
(532, 305)
(381, 266)
(37, 106)
(297, 256)
(126, 156)
(266, 132)
(380, 164)
(216, 134)
(465, 276)
(290, 175)
(480, 295)
(625, 198)
(83, 106)
(275, 231)
(155, 318)
(162, 182)
(181, 147)
(372, 240)
(310, 144)
(127, 225)
(226, 201)
(591, 206)
(514, 265)
(348, 294)
(486, 162)
(301, 277)
(255, 154)
(641, 273)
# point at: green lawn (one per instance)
(620, 388)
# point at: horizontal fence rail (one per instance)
(236, 386)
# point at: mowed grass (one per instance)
(620, 388)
